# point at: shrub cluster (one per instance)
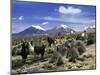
(91, 38)
(56, 58)
(74, 49)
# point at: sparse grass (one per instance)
(89, 54)
(49, 66)
(88, 63)
(16, 62)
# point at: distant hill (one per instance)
(91, 29)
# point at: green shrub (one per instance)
(16, 62)
(80, 46)
(90, 41)
(79, 37)
(54, 57)
(49, 51)
(61, 49)
(59, 61)
(18, 52)
(91, 38)
(14, 51)
(72, 52)
(74, 49)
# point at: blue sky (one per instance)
(50, 15)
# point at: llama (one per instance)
(24, 51)
(50, 40)
(36, 49)
(31, 47)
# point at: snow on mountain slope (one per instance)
(38, 27)
(64, 26)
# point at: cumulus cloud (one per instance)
(44, 23)
(69, 10)
(20, 18)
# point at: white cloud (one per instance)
(69, 10)
(44, 23)
(20, 18)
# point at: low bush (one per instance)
(79, 37)
(59, 61)
(54, 57)
(49, 66)
(91, 39)
(72, 52)
(80, 46)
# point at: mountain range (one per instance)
(38, 30)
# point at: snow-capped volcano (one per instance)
(62, 26)
(38, 30)
(63, 29)
(32, 30)
(38, 27)
(91, 29)
(93, 26)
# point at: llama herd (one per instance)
(47, 53)
(71, 48)
(28, 48)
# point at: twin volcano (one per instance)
(37, 30)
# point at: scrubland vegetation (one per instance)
(67, 52)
